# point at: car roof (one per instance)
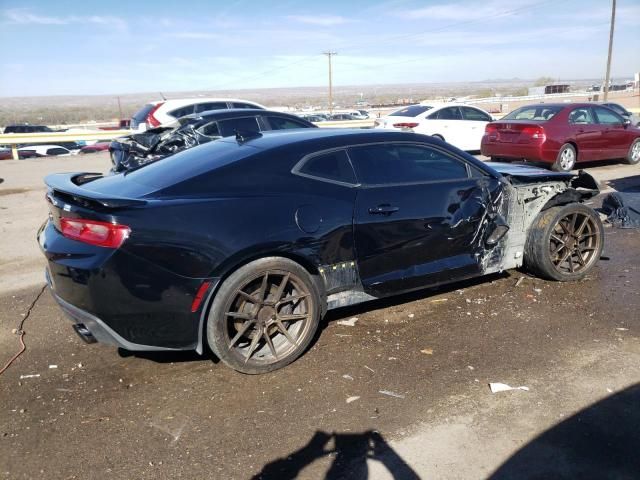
(193, 100)
(346, 136)
(41, 147)
(233, 112)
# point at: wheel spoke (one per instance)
(254, 344)
(557, 250)
(240, 315)
(582, 225)
(281, 288)
(574, 220)
(571, 269)
(564, 257)
(564, 227)
(580, 257)
(263, 287)
(292, 298)
(293, 317)
(285, 332)
(266, 336)
(557, 238)
(248, 297)
(240, 333)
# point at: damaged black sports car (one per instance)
(139, 149)
(243, 245)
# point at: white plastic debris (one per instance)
(32, 375)
(347, 377)
(622, 329)
(352, 399)
(348, 323)
(53, 366)
(503, 387)
(411, 315)
(391, 394)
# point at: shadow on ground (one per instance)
(628, 184)
(349, 451)
(600, 442)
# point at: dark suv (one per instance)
(27, 129)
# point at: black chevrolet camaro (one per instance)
(244, 243)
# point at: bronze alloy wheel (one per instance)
(574, 243)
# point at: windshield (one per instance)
(412, 111)
(534, 113)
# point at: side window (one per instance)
(449, 113)
(581, 116)
(182, 111)
(210, 129)
(57, 151)
(205, 107)
(330, 166)
(242, 105)
(280, 123)
(229, 128)
(474, 114)
(392, 164)
(607, 117)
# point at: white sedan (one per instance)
(460, 125)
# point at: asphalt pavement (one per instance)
(404, 393)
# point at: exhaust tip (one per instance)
(84, 333)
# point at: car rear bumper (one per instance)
(119, 299)
(516, 151)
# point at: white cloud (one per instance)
(464, 11)
(24, 16)
(196, 35)
(321, 20)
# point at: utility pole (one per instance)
(329, 55)
(608, 75)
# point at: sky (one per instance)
(73, 47)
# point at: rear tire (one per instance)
(566, 159)
(633, 157)
(564, 243)
(264, 315)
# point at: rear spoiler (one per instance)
(70, 186)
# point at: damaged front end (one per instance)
(140, 149)
(527, 192)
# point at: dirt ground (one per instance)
(402, 394)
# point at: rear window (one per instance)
(280, 123)
(535, 113)
(412, 111)
(182, 111)
(330, 166)
(190, 163)
(141, 115)
(242, 125)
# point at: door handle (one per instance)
(384, 209)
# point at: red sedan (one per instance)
(100, 146)
(562, 135)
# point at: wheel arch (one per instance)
(245, 258)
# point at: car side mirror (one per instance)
(626, 122)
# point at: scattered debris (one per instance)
(53, 366)
(392, 358)
(32, 375)
(519, 281)
(348, 323)
(343, 335)
(503, 387)
(439, 300)
(427, 351)
(352, 399)
(347, 377)
(610, 390)
(470, 367)
(537, 290)
(622, 329)
(370, 369)
(391, 394)
(411, 315)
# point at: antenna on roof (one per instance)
(162, 95)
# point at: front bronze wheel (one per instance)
(264, 316)
(564, 242)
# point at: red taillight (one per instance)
(406, 125)
(534, 132)
(490, 128)
(197, 300)
(101, 234)
(151, 120)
